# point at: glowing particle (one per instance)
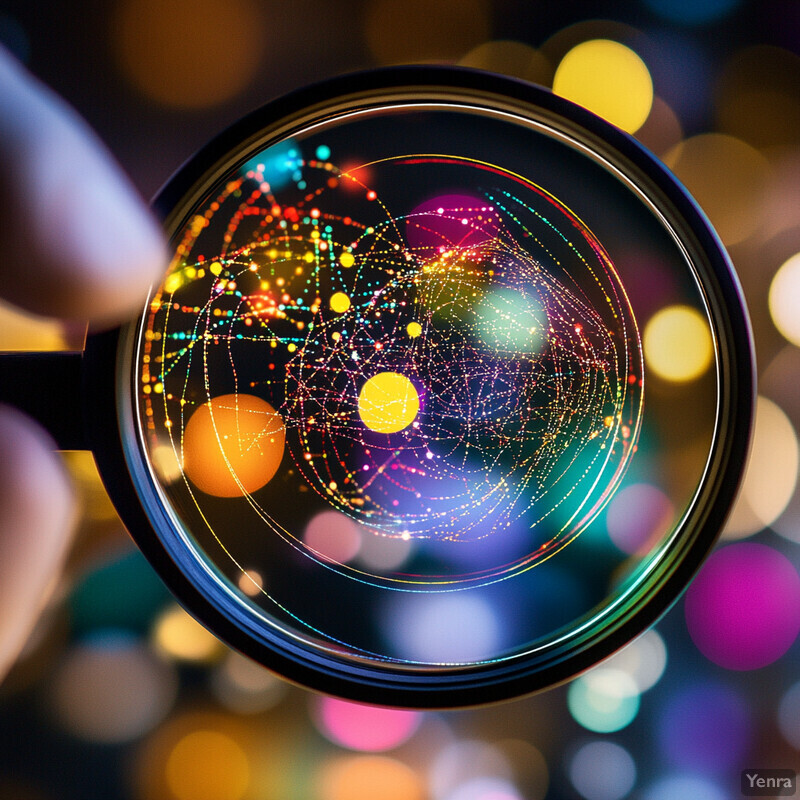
(347, 259)
(609, 79)
(323, 152)
(388, 402)
(678, 344)
(340, 302)
(413, 329)
(233, 445)
(215, 268)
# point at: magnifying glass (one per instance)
(444, 398)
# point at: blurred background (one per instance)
(119, 695)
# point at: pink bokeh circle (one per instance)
(743, 609)
(363, 727)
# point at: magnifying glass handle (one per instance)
(47, 387)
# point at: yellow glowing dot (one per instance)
(340, 302)
(208, 765)
(215, 268)
(173, 283)
(347, 259)
(388, 402)
(784, 299)
(158, 388)
(414, 329)
(609, 79)
(678, 344)
(292, 347)
(180, 636)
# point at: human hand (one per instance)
(75, 242)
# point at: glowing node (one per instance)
(347, 259)
(388, 402)
(413, 329)
(609, 79)
(677, 344)
(233, 445)
(339, 302)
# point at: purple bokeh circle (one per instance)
(705, 728)
(743, 609)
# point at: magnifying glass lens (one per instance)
(431, 392)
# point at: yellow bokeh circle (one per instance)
(609, 79)
(388, 402)
(677, 344)
(784, 299)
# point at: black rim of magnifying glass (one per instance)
(109, 393)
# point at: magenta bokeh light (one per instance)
(363, 727)
(743, 609)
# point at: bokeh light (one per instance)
(173, 51)
(462, 762)
(743, 608)
(333, 536)
(485, 789)
(441, 31)
(603, 700)
(602, 770)
(680, 786)
(771, 474)
(111, 688)
(369, 778)
(208, 765)
(180, 636)
(508, 57)
(638, 516)
(704, 728)
(692, 12)
(662, 130)
(430, 628)
(757, 99)
(528, 765)
(727, 177)
(784, 299)
(644, 659)
(245, 687)
(789, 716)
(364, 727)
(233, 445)
(609, 79)
(677, 344)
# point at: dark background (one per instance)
(107, 698)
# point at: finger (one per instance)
(37, 513)
(75, 240)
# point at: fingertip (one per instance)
(78, 241)
(37, 513)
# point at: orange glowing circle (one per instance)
(170, 50)
(370, 778)
(233, 445)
